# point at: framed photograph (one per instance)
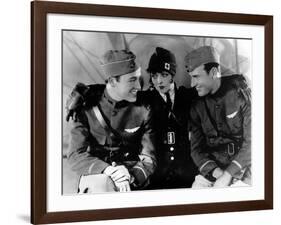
(70, 44)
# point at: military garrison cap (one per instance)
(201, 56)
(162, 60)
(118, 62)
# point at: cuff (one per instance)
(132, 179)
(234, 168)
(208, 166)
(139, 174)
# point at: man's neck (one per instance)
(216, 86)
(111, 93)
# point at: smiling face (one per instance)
(202, 81)
(162, 81)
(127, 86)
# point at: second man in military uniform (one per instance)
(221, 122)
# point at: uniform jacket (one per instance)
(175, 167)
(230, 111)
(89, 140)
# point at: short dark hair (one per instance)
(116, 77)
(150, 77)
(209, 66)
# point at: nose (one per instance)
(159, 79)
(193, 82)
(138, 84)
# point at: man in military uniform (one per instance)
(175, 168)
(112, 140)
(220, 122)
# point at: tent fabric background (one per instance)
(82, 50)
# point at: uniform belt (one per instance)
(230, 148)
(170, 138)
(115, 154)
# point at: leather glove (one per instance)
(224, 180)
(117, 173)
(123, 186)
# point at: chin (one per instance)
(201, 93)
(163, 91)
(132, 99)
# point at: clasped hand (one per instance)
(120, 176)
(223, 180)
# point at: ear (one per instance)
(112, 81)
(214, 72)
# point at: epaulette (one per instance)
(82, 96)
(93, 95)
(239, 83)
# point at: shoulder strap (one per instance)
(100, 118)
(211, 118)
(108, 129)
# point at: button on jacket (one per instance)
(229, 121)
(92, 147)
(175, 167)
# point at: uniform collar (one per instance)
(221, 90)
(113, 102)
(107, 97)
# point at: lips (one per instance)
(134, 91)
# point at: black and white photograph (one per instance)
(121, 112)
(144, 112)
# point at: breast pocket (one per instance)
(131, 130)
(208, 128)
(234, 120)
(132, 134)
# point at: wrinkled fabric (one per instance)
(175, 167)
(230, 109)
(134, 123)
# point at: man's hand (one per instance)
(109, 170)
(117, 173)
(224, 180)
(123, 186)
(218, 172)
(120, 174)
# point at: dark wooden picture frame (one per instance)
(39, 11)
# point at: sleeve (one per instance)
(79, 158)
(198, 144)
(243, 157)
(144, 168)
